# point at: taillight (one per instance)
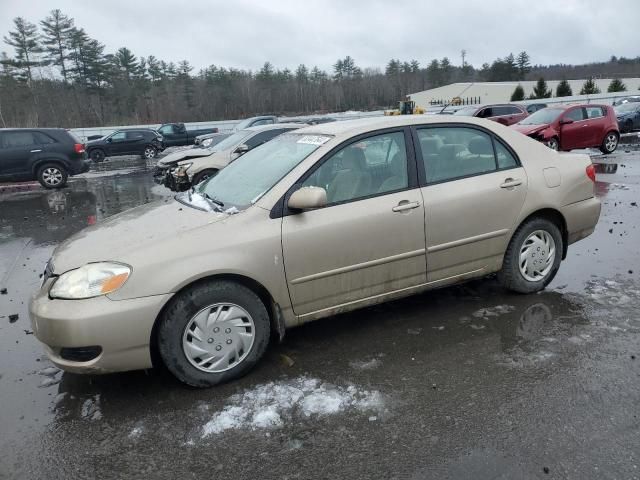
(591, 172)
(79, 148)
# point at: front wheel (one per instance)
(203, 175)
(610, 143)
(149, 152)
(97, 155)
(533, 256)
(213, 332)
(52, 175)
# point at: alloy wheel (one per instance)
(52, 176)
(537, 256)
(149, 152)
(218, 337)
(611, 142)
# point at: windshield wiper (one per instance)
(213, 200)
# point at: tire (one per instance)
(530, 236)
(553, 144)
(609, 143)
(203, 175)
(52, 175)
(149, 152)
(97, 155)
(183, 344)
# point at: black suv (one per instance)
(142, 141)
(48, 155)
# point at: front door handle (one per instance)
(405, 205)
(35, 151)
(511, 182)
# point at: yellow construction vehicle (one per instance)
(406, 107)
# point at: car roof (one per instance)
(34, 128)
(273, 126)
(364, 125)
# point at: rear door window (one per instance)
(594, 112)
(134, 135)
(19, 139)
(43, 138)
(449, 153)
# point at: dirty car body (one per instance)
(318, 221)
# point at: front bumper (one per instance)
(122, 330)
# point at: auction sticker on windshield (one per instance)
(314, 139)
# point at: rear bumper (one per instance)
(80, 167)
(582, 218)
(121, 329)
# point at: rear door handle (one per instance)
(405, 205)
(35, 151)
(511, 182)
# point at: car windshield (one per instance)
(244, 123)
(542, 117)
(245, 180)
(627, 107)
(233, 140)
(467, 111)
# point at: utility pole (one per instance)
(463, 54)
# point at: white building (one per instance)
(500, 92)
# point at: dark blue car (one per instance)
(628, 115)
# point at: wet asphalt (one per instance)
(476, 382)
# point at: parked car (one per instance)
(259, 121)
(567, 127)
(193, 170)
(507, 114)
(534, 107)
(177, 134)
(141, 141)
(323, 220)
(49, 155)
(630, 99)
(628, 116)
(211, 139)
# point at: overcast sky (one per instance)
(245, 33)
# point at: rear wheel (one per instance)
(610, 143)
(553, 144)
(203, 175)
(533, 256)
(149, 152)
(52, 175)
(213, 332)
(97, 155)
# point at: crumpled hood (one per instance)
(530, 129)
(129, 231)
(175, 157)
(93, 143)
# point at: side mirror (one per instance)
(109, 140)
(241, 149)
(307, 198)
(566, 121)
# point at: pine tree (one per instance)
(518, 94)
(589, 87)
(522, 62)
(616, 85)
(57, 29)
(445, 71)
(433, 73)
(563, 89)
(126, 63)
(541, 90)
(25, 42)
(392, 68)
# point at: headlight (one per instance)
(181, 170)
(92, 280)
(207, 142)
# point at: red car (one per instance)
(565, 127)
(506, 114)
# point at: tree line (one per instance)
(57, 75)
(563, 89)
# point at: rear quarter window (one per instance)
(43, 138)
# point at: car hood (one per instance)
(529, 129)
(215, 160)
(93, 143)
(175, 157)
(122, 234)
(625, 114)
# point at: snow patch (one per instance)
(271, 405)
(136, 432)
(365, 364)
(91, 408)
(493, 311)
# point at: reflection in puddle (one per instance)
(606, 167)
